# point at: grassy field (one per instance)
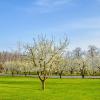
(21, 88)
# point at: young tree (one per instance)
(43, 53)
(11, 66)
(61, 64)
(26, 67)
(83, 69)
(77, 57)
(3, 59)
(70, 63)
(92, 55)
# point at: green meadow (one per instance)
(27, 88)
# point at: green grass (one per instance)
(25, 88)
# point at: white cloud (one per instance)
(46, 6)
(78, 24)
(82, 32)
(87, 23)
(51, 3)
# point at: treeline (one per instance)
(46, 57)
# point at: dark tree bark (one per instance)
(42, 79)
(17, 72)
(83, 76)
(60, 74)
(83, 71)
(12, 73)
(43, 84)
(71, 71)
(25, 74)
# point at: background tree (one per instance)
(61, 65)
(77, 57)
(92, 54)
(83, 68)
(71, 68)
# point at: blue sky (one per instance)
(79, 19)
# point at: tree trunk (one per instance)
(43, 84)
(42, 81)
(60, 76)
(82, 76)
(12, 73)
(71, 72)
